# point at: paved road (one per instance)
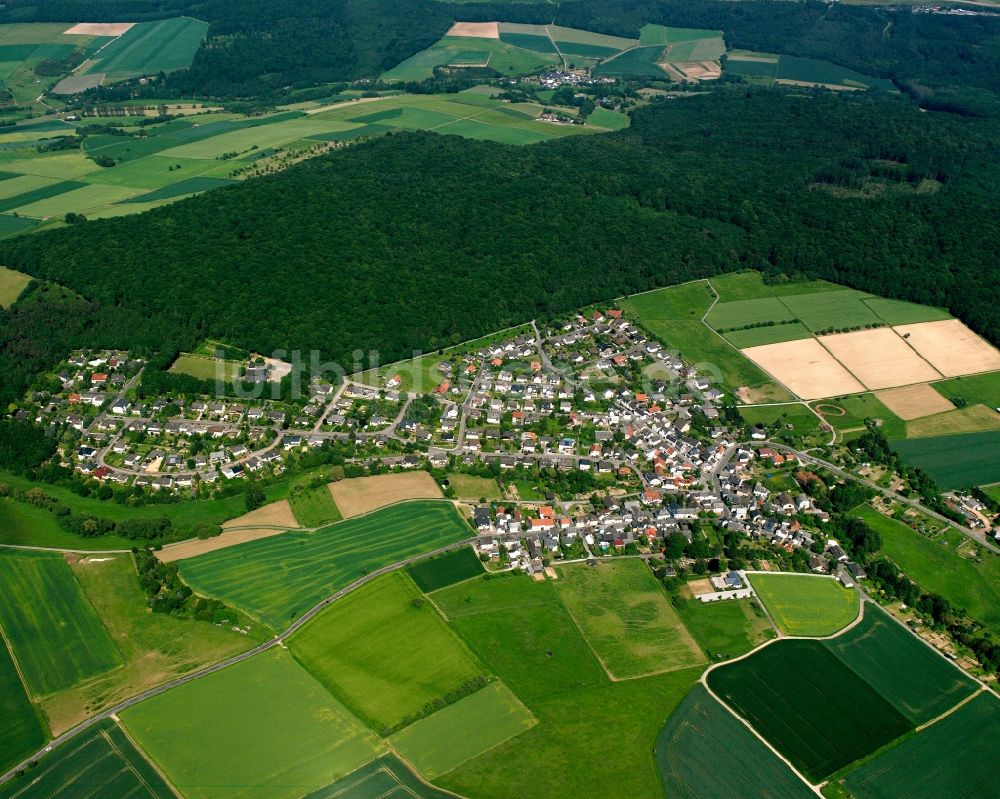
(278, 640)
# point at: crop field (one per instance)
(508, 54)
(879, 358)
(24, 46)
(809, 705)
(148, 48)
(897, 312)
(700, 735)
(831, 309)
(383, 656)
(276, 579)
(810, 71)
(953, 757)
(99, 762)
(521, 630)
(935, 566)
(56, 637)
(975, 389)
(955, 461)
(606, 118)
(951, 348)
(21, 729)
(640, 62)
(806, 368)
(625, 617)
(973, 419)
(314, 506)
(11, 285)
(473, 725)
(291, 736)
(385, 777)
(725, 629)
(445, 570)
(916, 680)
(359, 495)
(803, 604)
(914, 402)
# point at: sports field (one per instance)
(314, 506)
(955, 461)
(385, 777)
(276, 579)
(56, 637)
(441, 742)
(625, 617)
(97, 763)
(21, 728)
(444, 570)
(699, 736)
(207, 368)
(263, 727)
(809, 705)
(920, 683)
(726, 629)
(148, 48)
(11, 285)
(805, 605)
(360, 495)
(953, 757)
(384, 652)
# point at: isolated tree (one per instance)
(254, 497)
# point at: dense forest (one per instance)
(414, 241)
(265, 48)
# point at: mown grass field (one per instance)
(955, 461)
(381, 655)
(56, 637)
(263, 727)
(21, 728)
(809, 705)
(625, 617)
(974, 389)
(11, 285)
(807, 605)
(469, 486)
(701, 735)
(314, 506)
(206, 368)
(521, 630)
(386, 777)
(151, 47)
(276, 579)
(473, 725)
(725, 629)
(99, 762)
(918, 682)
(444, 570)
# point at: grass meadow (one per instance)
(809, 705)
(11, 285)
(725, 629)
(314, 506)
(276, 579)
(384, 652)
(857, 408)
(806, 605)
(625, 617)
(21, 728)
(56, 636)
(25, 524)
(750, 285)
(975, 389)
(972, 419)
(439, 572)
(699, 736)
(468, 486)
(263, 727)
(955, 461)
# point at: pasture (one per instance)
(99, 762)
(56, 637)
(699, 736)
(386, 777)
(25, 524)
(975, 389)
(520, 630)
(21, 727)
(314, 506)
(469, 486)
(725, 629)
(290, 735)
(953, 757)
(750, 285)
(439, 572)
(809, 705)
(276, 579)
(357, 496)
(148, 48)
(384, 652)
(972, 419)
(11, 285)
(625, 617)
(805, 604)
(951, 348)
(955, 461)
(916, 680)
(462, 731)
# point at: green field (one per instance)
(468, 486)
(11, 285)
(935, 566)
(625, 617)
(700, 736)
(99, 762)
(770, 334)
(897, 312)
(640, 62)
(263, 727)
(831, 309)
(750, 285)
(809, 70)
(151, 47)
(725, 629)
(956, 461)
(206, 368)
(809, 705)
(705, 48)
(28, 525)
(606, 118)
(23, 46)
(314, 506)
(857, 408)
(56, 637)
(972, 419)
(21, 728)
(444, 570)
(462, 731)
(920, 683)
(976, 389)
(954, 757)
(381, 656)
(521, 630)
(806, 605)
(276, 579)
(747, 312)
(802, 421)
(562, 35)
(510, 55)
(385, 777)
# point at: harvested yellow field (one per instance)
(913, 402)
(805, 368)
(99, 29)
(951, 347)
(974, 419)
(364, 494)
(475, 30)
(229, 538)
(879, 358)
(275, 514)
